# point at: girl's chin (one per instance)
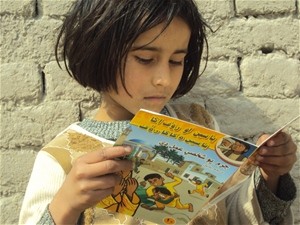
(154, 109)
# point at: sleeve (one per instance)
(255, 204)
(46, 218)
(46, 178)
(275, 207)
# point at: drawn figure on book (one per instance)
(175, 172)
(129, 195)
(163, 193)
(233, 150)
(124, 199)
(200, 188)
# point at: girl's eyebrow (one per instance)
(155, 49)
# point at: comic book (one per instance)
(178, 166)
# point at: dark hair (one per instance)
(247, 145)
(152, 175)
(162, 190)
(97, 35)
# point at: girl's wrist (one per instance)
(62, 213)
(270, 181)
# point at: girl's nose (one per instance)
(162, 76)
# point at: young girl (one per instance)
(140, 54)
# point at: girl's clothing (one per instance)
(251, 203)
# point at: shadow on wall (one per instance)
(247, 117)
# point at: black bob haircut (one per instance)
(97, 35)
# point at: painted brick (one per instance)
(247, 117)
(20, 82)
(36, 125)
(215, 11)
(272, 75)
(54, 8)
(28, 40)
(256, 7)
(219, 78)
(247, 36)
(24, 8)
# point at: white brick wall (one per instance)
(251, 83)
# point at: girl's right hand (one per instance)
(92, 178)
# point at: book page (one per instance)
(248, 167)
(179, 166)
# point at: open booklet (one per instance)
(179, 166)
(180, 169)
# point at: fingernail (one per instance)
(127, 149)
(271, 143)
(262, 151)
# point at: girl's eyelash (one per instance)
(147, 61)
(143, 60)
(179, 63)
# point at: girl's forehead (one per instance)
(163, 35)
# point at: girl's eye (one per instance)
(176, 63)
(143, 60)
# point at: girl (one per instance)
(140, 54)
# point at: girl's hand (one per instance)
(276, 157)
(92, 178)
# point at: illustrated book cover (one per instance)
(178, 166)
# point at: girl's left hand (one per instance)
(276, 157)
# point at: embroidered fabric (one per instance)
(109, 130)
(275, 207)
(46, 218)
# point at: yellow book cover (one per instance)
(179, 166)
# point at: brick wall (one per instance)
(251, 83)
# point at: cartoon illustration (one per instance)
(234, 149)
(169, 220)
(141, 191)
(124, 198)
(163, 197)
(137, 162)
(200, 188)
(164, 193)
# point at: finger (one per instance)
(98, 183)
(271, 169)
(94, 197)
(275, 169)
(279, 139)
(262, 138)
(281, 150)
(99, 195)
(104, 167)
(285, 161)
(105, 154)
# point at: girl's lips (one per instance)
(155, 99)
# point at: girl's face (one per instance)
(152, 73)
